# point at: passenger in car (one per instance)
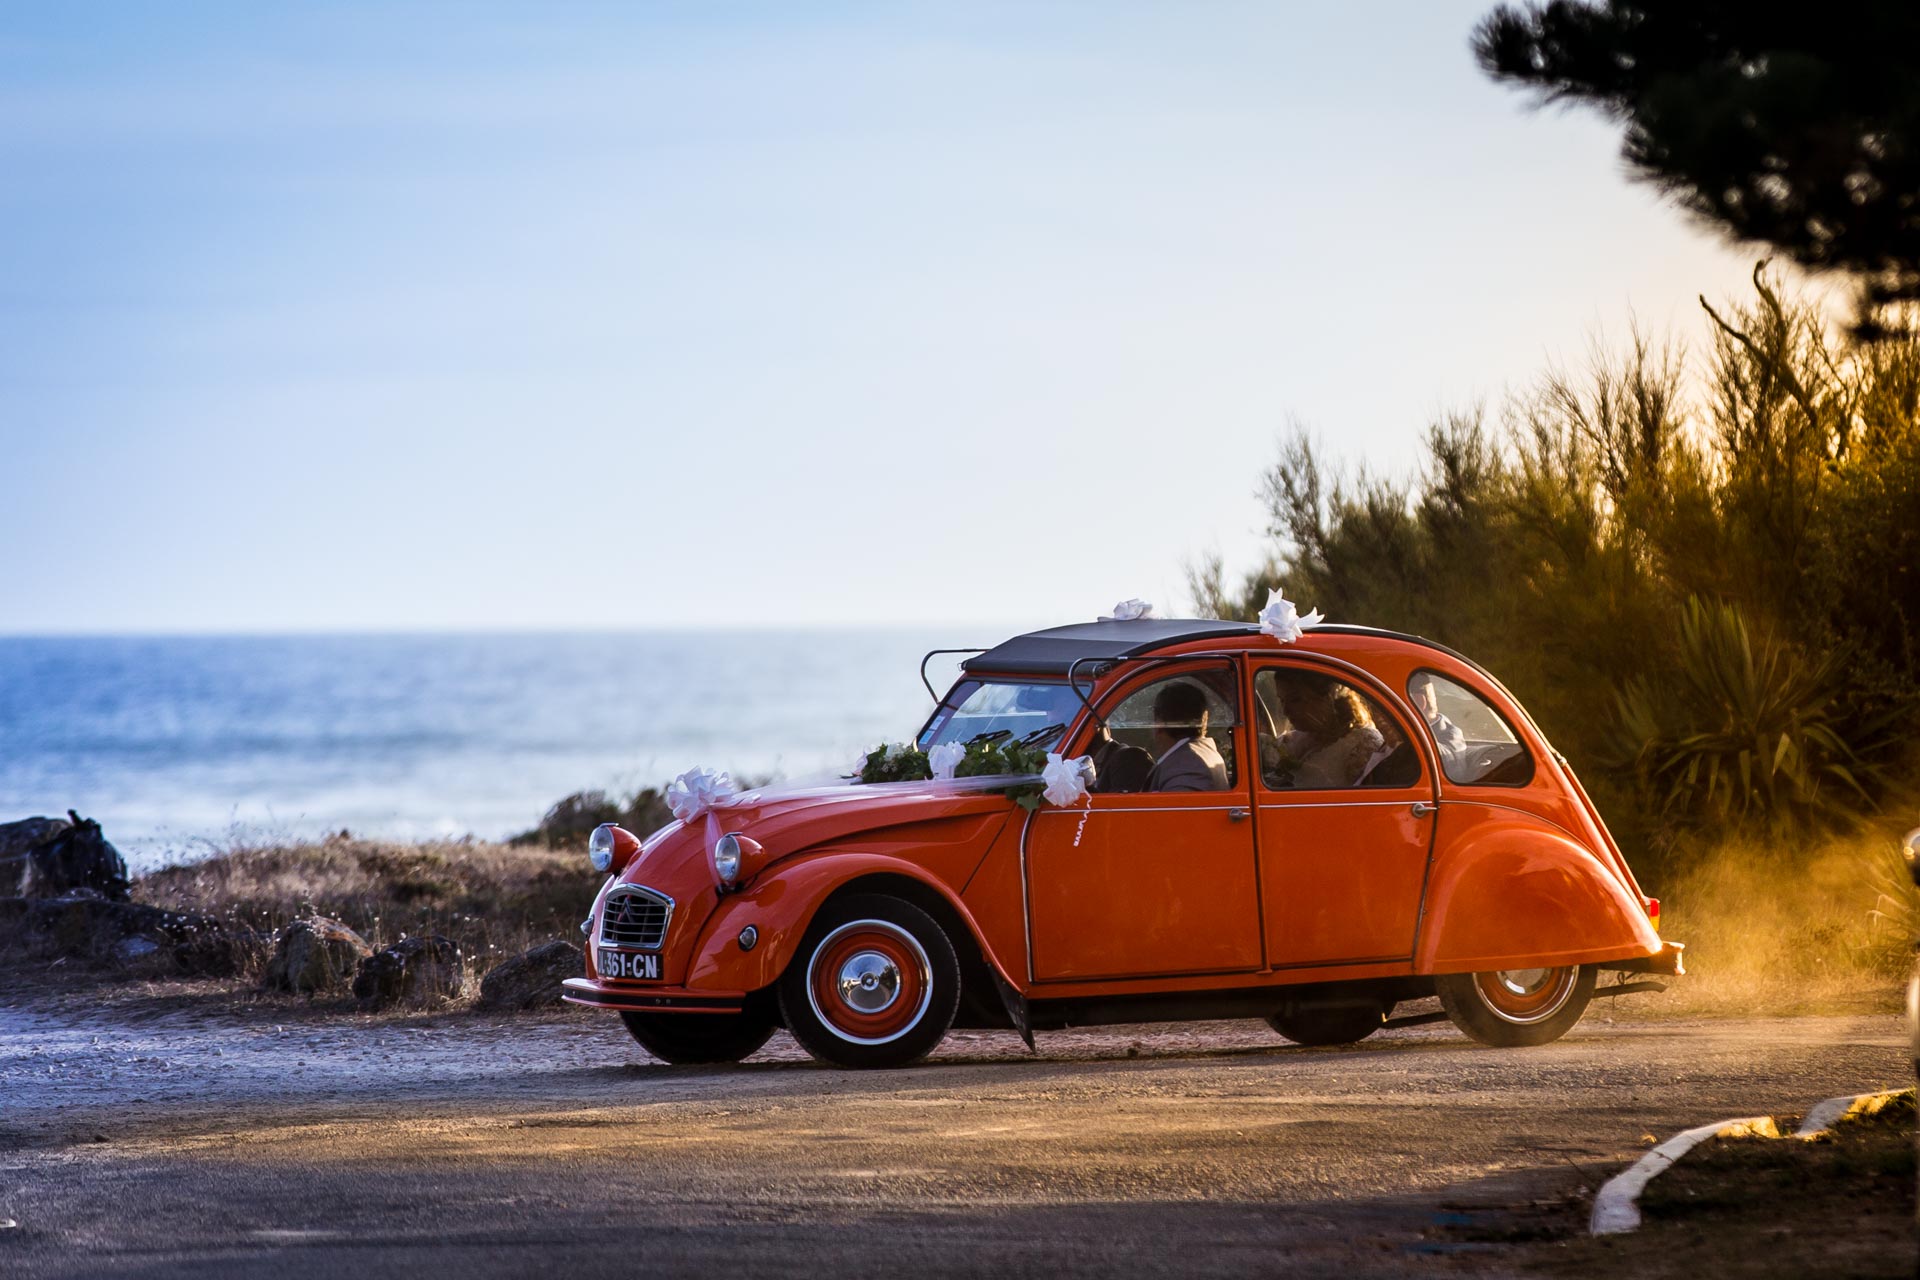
(1188, 759)
(1332, 738)
(1118, 766)
(1446, 734)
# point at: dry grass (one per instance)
(1825, 926)
(493, 900)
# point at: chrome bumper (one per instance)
(1667, 960)
(648, 999)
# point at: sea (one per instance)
(184, 745)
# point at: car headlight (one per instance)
(726, 859)
(735, 857)
(600, 847)
(611, 848)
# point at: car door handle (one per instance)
(1239, 815)
(1421, 809)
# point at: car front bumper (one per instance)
(625, 997)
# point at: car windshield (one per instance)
(1035, 713)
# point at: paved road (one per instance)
(494, 1148)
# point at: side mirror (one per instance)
(1911, 848)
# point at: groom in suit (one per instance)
(1188, 759)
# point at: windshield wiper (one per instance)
(1041, 737)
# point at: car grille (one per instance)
(635, 918)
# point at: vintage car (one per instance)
(1378, 821)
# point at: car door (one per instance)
(1152, 883)
(1346, 798)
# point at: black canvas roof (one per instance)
(1051, 652)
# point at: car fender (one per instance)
(1510, 890)
(781, 903)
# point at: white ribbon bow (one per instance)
(945, 758)
(1129, 611)
(1281, 618)
(1066, 779)
(696, 791)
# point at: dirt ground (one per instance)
(1746, 1208)
(159, 1139)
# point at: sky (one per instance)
(381, 317)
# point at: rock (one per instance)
(531, 980)
(415, 971)
(18, 840)
(315, 954)
(135, 949)
(48, 857)
(85, 926)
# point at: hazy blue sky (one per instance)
(384, 316)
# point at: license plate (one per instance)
(628, 964)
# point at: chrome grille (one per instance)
(635, 917)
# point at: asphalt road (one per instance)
(475, 1148)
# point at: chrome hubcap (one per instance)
(868, 982)
(1524, 982)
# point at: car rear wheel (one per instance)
(875, 983)
(688, 1039)
(1511, 1008)
(1318, 1027)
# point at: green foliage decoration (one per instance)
(989, 756)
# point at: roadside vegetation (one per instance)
(492, 900)
(1698, 565)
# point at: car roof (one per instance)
(1053, 651)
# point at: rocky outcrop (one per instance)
(315, 954)
(531, 980)
(49, 857)
(83, 925)
(413, 971)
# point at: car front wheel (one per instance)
(1510, 1008)
(875, 983)
(690, 1039)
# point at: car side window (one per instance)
(1166, 734)
(1317, 732)
(1477, 746)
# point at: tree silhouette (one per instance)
(1792, 125)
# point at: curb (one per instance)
(1616, 1209)
(1825, 1114)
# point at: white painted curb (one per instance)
(1825, 1114)
(1617, 1207)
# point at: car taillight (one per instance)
(1653, 911)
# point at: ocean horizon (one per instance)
(181, 745)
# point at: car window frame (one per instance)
(1147, 671)
(1519, 739)
(1377, 692)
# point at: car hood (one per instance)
(884, 817)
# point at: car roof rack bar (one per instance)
(930, 656)
(1107, 664)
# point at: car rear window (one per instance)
(1477, 746)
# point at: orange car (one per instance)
(1309, 833)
